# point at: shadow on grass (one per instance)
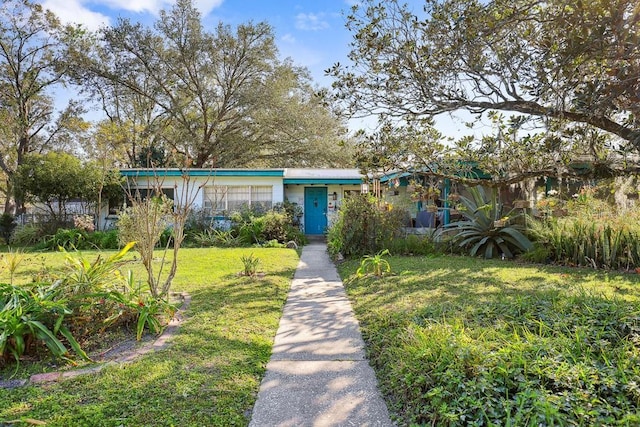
(463, 281)
(501, 343)
(208, 376)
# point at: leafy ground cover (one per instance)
(211, 373)
(463, 341)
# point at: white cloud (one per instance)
(288, 38)
(72, 11)
(311, 21)
(138, 6)
(206, 6)
(78, 11)
(154, 6)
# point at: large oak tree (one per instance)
(219, 98)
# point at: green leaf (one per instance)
(73, 342)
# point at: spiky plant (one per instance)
(485, 229)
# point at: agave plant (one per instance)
(485, 229)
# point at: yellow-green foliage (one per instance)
(592, 234)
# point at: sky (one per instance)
(310, 32)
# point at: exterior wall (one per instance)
(294, 193)
(178, 185)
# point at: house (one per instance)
(319, 192)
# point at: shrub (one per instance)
(279, 226)
(84, 222)
(78, 239)
(31, 315)
(275, 226)
(105, 239)
(67, 239)
(27, 235)
(364, 227)
(101, 297)
(593, 234)
(198, 221)
(7, 226)
(293, 210)
(540, 254)
(374, 264)
(216, 237)
(250, 265)
(486, 230)
(250, 231)
(133, 302)
(257, 228)
(413, 244)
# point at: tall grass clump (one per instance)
(593, 234)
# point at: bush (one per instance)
(68, 239)
(78, 239)
(486, 230)
(364, 227)
(30, 316)
(293, 210)
(253, 227)
(7, 226)
(413, 244)
(276, 226)
(215, 237)
(103, 240)
(27, 235)
(198, 221)
(593, 234)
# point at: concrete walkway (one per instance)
(318, 374)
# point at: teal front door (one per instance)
(315, 210)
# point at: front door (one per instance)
(315, 210)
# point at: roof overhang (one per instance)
(135, 173)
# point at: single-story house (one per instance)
(319, 192)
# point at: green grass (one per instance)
(462, 341)
(208, 376)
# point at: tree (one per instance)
(565, 73)
(54, 179)
(32, 62)
(213, 97)
(149, 215)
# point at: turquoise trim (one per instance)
(323, 181)
(202, 172)
(445, 194)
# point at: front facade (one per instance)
(318, 192)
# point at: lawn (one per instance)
(211, 373)
(462, 341)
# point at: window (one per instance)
(231, 198)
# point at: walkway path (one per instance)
(318, 374)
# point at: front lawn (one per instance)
(463, 341)
(208, 376)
